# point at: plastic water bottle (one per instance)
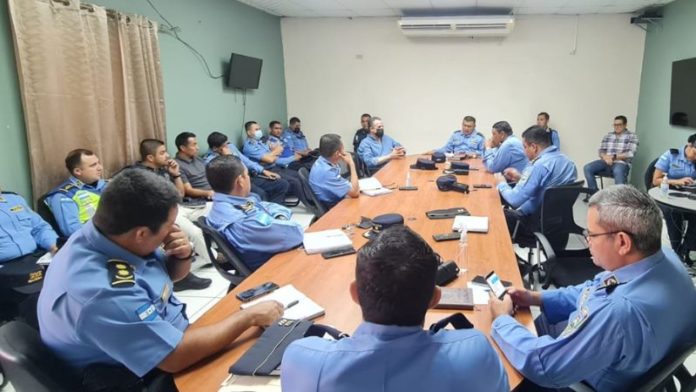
(408, 177)
(462, 250)
(664, 186)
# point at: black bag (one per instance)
(449, 183)
(264, 357)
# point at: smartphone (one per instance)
(253, 293)
(496, 285)
(338, 252)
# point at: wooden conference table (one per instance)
(327, 281)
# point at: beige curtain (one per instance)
(90, 78)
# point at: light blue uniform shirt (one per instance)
(674, 163)
(510, 153)
(550, 168)
(21, 229)
(64, 208)
(371, 149)
(85, 319)
(253, 229)
(458, 142)
(394, 359)
(297, 140)
(555, 139)
(287, 156)
(254, 168)
(611, 338)
(327, 183)
(255, 150)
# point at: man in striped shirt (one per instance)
(616, 152)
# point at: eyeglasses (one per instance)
(589, 235)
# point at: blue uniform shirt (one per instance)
(510, 153)
(371, 149)
(297, 140)
(458, 142)
(327, 183)
(86, 319)
(392, 358)
(65, 209)
(21, 229)
(674, 163)
(550, 168)
(284, 141)
(555, 139)
(611, 338)
(254, 168)
(252, 227)
(255, 150)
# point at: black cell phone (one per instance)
(408, 188)
(338, 252)
(480, 280)
(483, 186)
(496, 285)
(446, 236)
(253, 293)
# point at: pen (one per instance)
(291, 304)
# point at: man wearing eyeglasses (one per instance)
(616, 152)
(610, 330)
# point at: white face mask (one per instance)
(258, 134)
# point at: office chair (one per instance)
(29, 365)
(565, 264)
(224, 258)
(317, 207)
(46, 214)
(608, 173)
(649, 172)
(361, 167)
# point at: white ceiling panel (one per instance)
(360, 8)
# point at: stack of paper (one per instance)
(45, 259)
(372, 187)
(325, 240)
(298, 306)
(235, 383)
(477, 224)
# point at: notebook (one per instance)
(372, 187)
(475, 224)
(325, 240)
(304, 309)
(456, 298)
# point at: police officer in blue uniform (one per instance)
(611, 330)
(394, 286)
(268, 185)
(107, 306)
(377, 148)
(297, 140)
(325, 178)
(258, 150)
(504, 150)
(466, 141)
(547, 168)
(256, 229)
(543, 121)
(75, 201)
(291, 157)
(679, 165)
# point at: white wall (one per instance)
(336, 69)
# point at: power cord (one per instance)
(174, 32)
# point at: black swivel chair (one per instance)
(565, 264)
(317, 207)
(649, 172)
(226, 261)
(29, 365)
(361, 167)
(46, 214)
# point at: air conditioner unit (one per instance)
(457, 26)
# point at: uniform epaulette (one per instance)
(121, 273)
(674, 151)
(67, 187)
(246, 207)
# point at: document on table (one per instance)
(234, 383)
(474, 224)
(325, 240)
(372, 187)
(297, 305)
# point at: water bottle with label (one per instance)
(462, 250)
(664, 186)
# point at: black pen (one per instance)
(291, 304)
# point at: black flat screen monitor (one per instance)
(245, 72)
(682, 109)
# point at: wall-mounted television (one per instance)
(245, 72)
(682, 108)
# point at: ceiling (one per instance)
(361, 8)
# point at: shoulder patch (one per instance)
(147, 312)
(17, 208)
(121, 273)
(674, 151)
(246, 207)
(577, 322)
(67, 187)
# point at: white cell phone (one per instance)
(496, 285)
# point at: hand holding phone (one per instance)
(496, 285)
